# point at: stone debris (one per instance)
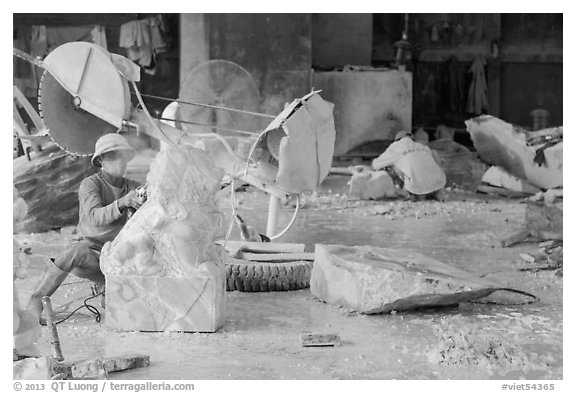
(369, 184)
(461, 345)
(499, 177)
(548, 257)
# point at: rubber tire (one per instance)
(250, 276)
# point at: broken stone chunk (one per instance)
(164, 271)
(375, 280)
(372, 185)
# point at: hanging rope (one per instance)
(150, 118)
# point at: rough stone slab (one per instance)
(373, 280)
(545, 218)
(505, 145)
(99, 368)
(31, 369)
(372, 185)
(498, 177)
(89, 369)
(155, 303)
(461, 166)
(49, 185)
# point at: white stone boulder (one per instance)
(376, 280)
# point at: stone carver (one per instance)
(105, 200)
(163, 271)
(412, 166)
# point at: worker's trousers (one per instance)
(83, 260)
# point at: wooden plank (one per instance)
(319, 339)
(126, 362)
(280, 257)
(234, 246)
(99, 368)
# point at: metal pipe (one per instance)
(254, 134)
(273, 211)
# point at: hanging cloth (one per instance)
(39, 41)
(478, 91)
(99, 36)
(135, 37)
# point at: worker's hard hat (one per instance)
(108, 143)
(402, 134)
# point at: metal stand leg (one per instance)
(273, 210)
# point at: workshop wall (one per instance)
(523, 71)
(274, 48)
(341, 39)
(163, 81)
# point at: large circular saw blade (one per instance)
(82, 95)
(225, 84)
(71, 128)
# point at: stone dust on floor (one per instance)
(260, 337)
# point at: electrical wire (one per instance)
(524, 293)
(209, 106)
(249, 133)
(89, 307)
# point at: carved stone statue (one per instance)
(26, 328)
(164, 271)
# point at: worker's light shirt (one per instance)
(415, 164)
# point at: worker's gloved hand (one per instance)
(130, 200)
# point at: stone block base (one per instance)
(372, 185)
(149, 303)
(374, 280)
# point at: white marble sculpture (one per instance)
(163, 271)
(26, 329)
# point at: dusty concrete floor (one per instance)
(260, 338)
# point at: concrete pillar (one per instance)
(194, 45)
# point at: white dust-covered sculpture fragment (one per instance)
(163, 271)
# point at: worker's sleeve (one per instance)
(91, 201)
(388, 158)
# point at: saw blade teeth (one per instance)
(66, 150)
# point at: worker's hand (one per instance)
(130, 200)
